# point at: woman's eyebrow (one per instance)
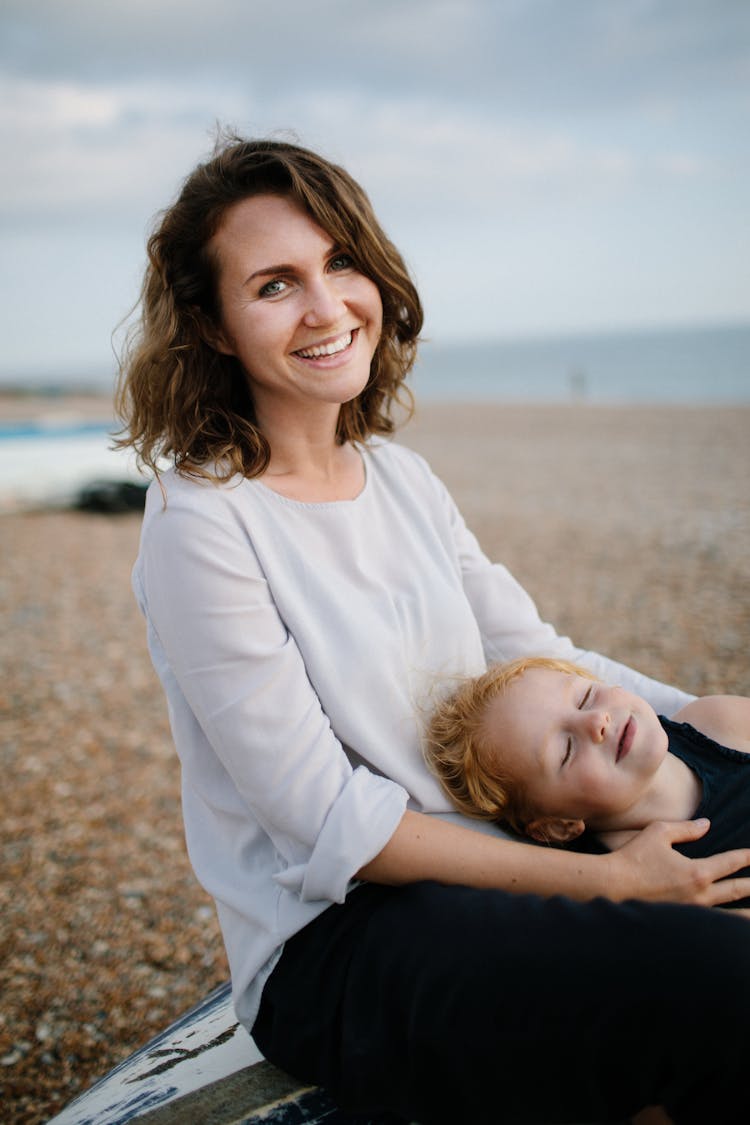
(269, 271)
(286, 267)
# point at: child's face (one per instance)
(582, 749)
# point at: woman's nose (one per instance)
(325, 304)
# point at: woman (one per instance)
(302, 580)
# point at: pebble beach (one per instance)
(630, 526)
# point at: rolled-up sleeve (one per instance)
(341, 845)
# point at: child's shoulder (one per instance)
(724, 718)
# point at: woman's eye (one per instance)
(341, 262)
(585, 699)
(272, 288)
(568, 752)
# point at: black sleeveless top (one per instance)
(725, 777)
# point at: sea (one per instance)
(49, 460)
(695, 365)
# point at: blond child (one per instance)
(554, 753)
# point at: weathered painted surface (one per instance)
(201, 1048)
(203, 1070)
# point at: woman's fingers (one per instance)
(729, 890)
(665, 874)
(680, 831)
(715, 870)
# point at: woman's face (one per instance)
(295, 311)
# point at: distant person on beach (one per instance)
(303, 577)
(542, 746)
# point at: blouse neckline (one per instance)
(319, 504)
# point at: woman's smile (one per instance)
(327, 349)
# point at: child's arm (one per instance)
(725, 718)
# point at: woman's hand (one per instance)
(648, 867)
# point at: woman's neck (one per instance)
(311, 466)
(341, 477)
(307, 463)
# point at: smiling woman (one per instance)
(304, 331)
(304, 583)
(186, 395)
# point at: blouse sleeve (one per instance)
(511, 626)
(220, 637)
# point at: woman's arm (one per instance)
(725, 718)
(511, 626)
(242, 705)
(425, 847)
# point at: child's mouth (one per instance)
(626, 739)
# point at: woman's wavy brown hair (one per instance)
(179, 398)
(458, 751)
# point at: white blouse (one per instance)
(299, 646)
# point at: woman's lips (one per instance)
(626, 739)
(328, 349)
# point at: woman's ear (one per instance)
(554, 829)
(218, 341)
(213, 334)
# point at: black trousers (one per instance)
(454, 1006)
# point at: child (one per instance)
(543, 746)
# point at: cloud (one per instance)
(120, 149)
(517, 54)
(103, 107)
(422, 157)
(532, 65)
(95, 149)
(538, 162)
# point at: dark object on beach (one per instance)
(112, 496)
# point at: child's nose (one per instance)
(598, 724)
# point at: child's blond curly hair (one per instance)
(458, 751)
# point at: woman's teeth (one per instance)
(326, 349)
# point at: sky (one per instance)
(545, 166)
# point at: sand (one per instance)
(630, 527)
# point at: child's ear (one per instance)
(554, 830)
